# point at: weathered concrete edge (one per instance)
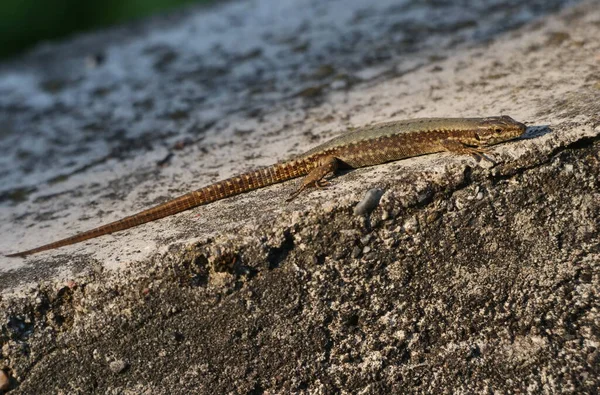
(461, 174)
(222, 268)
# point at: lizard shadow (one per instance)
(535, 131)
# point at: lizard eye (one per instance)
(498, 130)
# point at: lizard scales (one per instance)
(367, 146)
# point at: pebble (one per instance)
(411, 225)
(369, 202)
(365, 239)
(118, 366)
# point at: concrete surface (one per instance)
(467, 277)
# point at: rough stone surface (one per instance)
(467, 277)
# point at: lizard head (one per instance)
(494, 130)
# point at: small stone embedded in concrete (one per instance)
(369, 202)
(569, 168)
(366, 239)
(411, 225)
(4, 381)
(118, 366)
(385, 215)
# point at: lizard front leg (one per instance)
(315, 178)
(463, 149)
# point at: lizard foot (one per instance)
(316, 176)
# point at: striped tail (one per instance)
(223, 189)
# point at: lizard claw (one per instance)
(480, 154)
(315, 176)
(322, 184)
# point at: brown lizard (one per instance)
(368, 146)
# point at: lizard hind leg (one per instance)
(315, 178)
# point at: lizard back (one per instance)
(389, 141)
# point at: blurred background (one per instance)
(23, 23)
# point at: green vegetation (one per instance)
(26, 22)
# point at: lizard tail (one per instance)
(223, 189)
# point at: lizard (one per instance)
(366, 146)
